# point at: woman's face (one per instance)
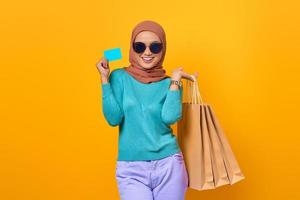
(147, 37)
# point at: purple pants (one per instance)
(162, 179)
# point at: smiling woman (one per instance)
(148, 48)
(144, 101)
(147, 52)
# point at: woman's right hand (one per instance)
(103, 68)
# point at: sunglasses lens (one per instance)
(139, 47)
(156, 47)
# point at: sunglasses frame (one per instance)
(150, 47)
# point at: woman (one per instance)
(144, 102)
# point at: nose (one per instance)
(147, 51)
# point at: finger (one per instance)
(103, 58)
(187, 76)
(196, 74)
(103, 65)
(178, 68)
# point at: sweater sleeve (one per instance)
(172, 107)
(112, 94)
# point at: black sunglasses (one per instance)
(140, 47)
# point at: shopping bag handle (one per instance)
(194, 89)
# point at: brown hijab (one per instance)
(156, 73)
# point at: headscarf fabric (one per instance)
(156, 73)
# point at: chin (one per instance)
(147, 66)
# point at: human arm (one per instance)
(112, 93)
(172, 107)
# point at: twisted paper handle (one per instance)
(195, 97)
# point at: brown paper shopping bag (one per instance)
(208, 156)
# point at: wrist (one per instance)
(175, 78)
(174, 87)
(175, 84)
(104, 79)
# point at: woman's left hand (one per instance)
(178, 73)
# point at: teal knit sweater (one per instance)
(144, 113)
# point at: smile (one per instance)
(147, 59)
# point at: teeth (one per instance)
(147, 59)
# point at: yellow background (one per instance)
(55, 143)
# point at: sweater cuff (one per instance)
(106, 89)
(174, 94)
